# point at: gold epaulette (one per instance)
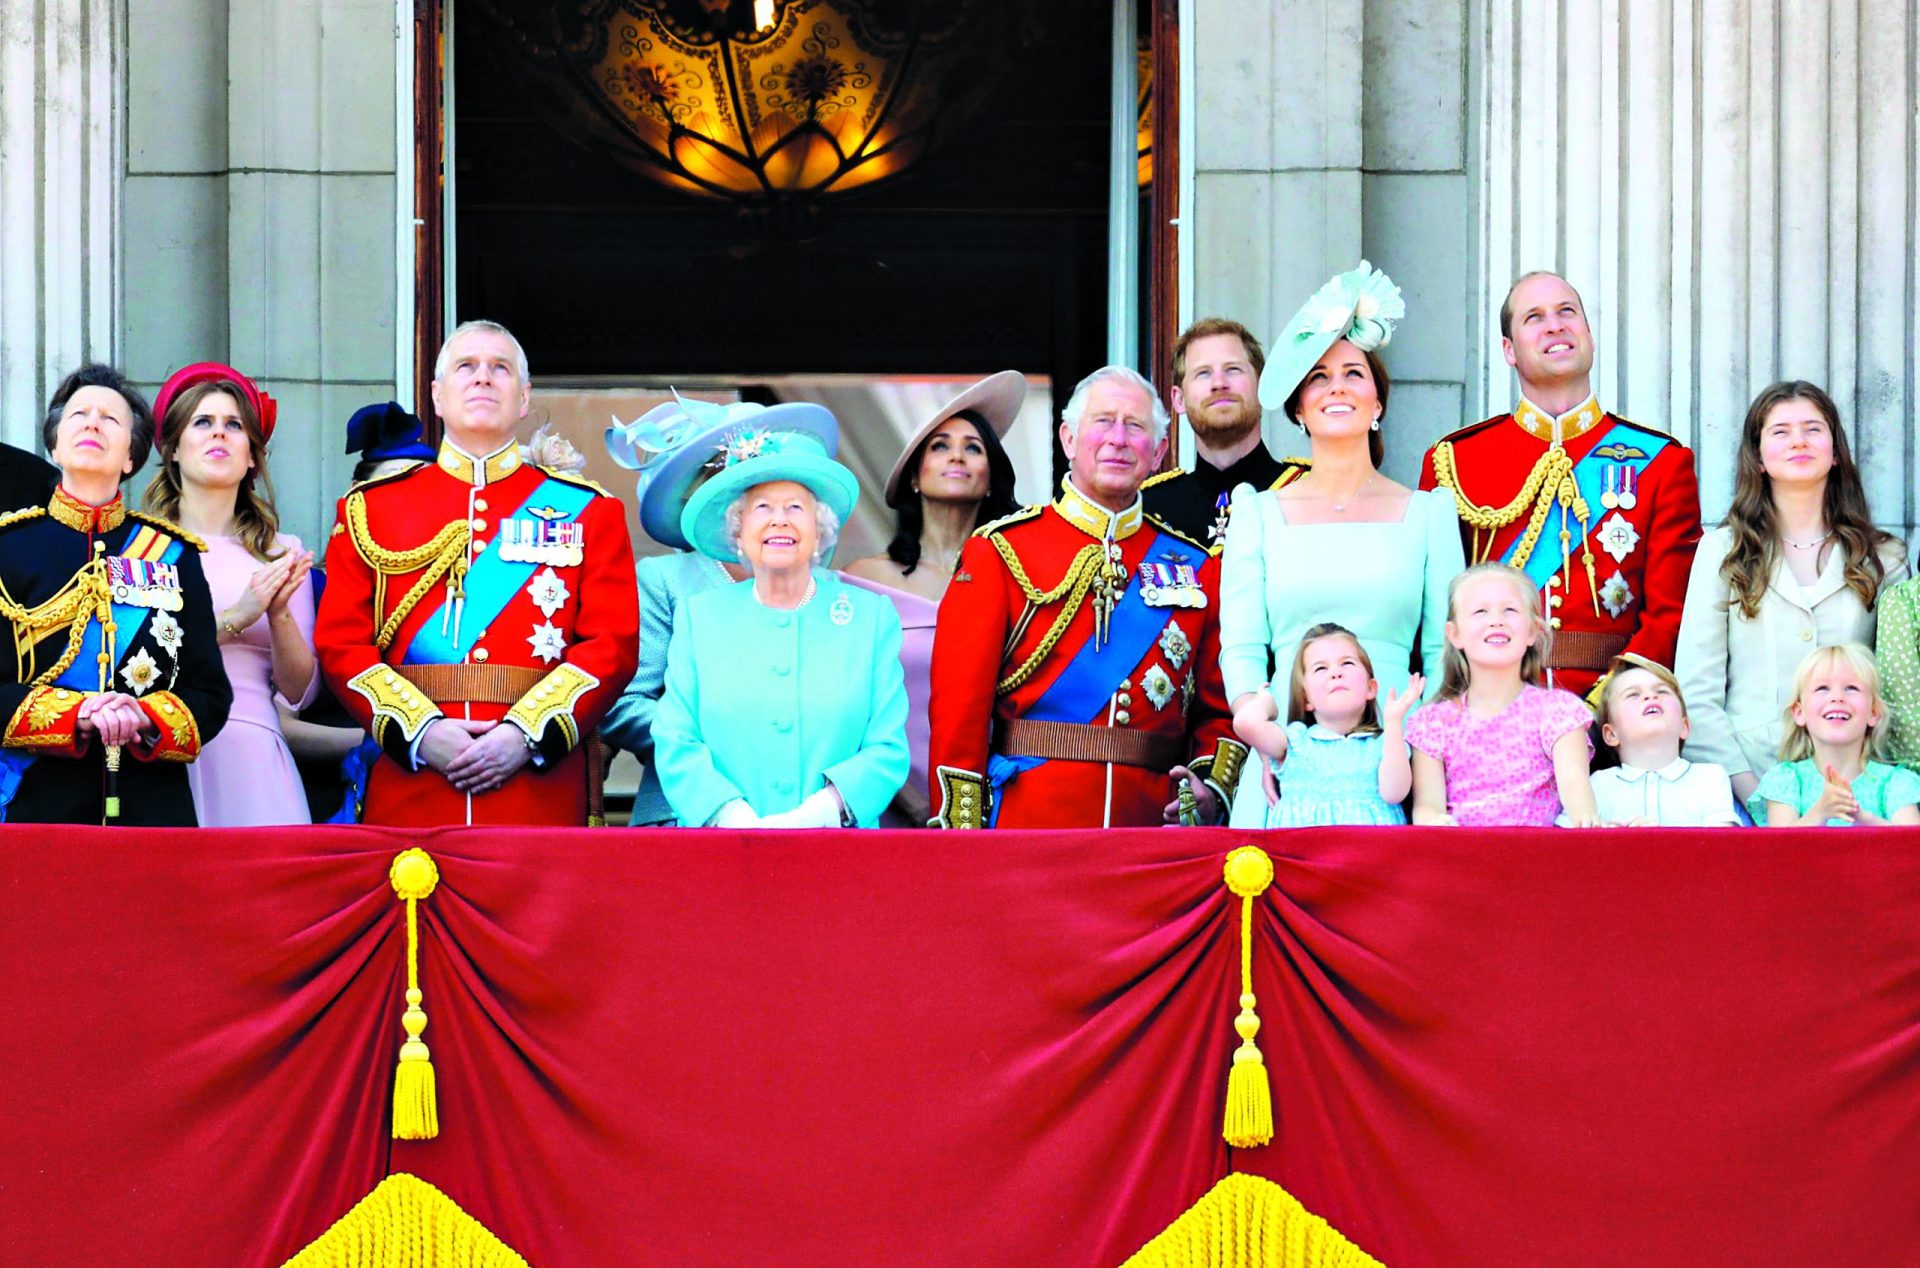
(22, 515)
(386, 477)
(1169, 474)
(168, 526)
(1171, 531)
(574, 477)
(1024, 513)
(1291, 469)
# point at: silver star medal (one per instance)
(548, 592)
(140, 672)
(1618, 537)
(1158, 686)
(549, 644)
(1173, 642)
(1616, 595)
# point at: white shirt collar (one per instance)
(1670, 772)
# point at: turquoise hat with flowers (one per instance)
(672, 443)
(1360, 306)
(754, 455)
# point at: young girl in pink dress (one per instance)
(1496, 749)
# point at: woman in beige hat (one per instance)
(952, 476)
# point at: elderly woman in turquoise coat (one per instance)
(676, 447)
(784, 704)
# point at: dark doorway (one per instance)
(988, 252)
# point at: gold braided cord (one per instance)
(1550, 481)
(1081, 574)
(443, 551)
(411, 599)
(1090, 553)
(86, 597)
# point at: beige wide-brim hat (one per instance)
(996, 398)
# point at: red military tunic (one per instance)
(1628, 501)
(1024, 602)
(417, 563)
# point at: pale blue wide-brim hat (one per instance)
(1360, 306)
(756, 456)
(670, 443)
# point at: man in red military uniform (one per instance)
(480, 612)
(1602, 513)
(1076, 663)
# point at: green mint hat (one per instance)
(1359, 306)
(756, 456)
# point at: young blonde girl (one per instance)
(1835, 724)
(1495, 748)
(1341, 758)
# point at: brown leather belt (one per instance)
(472, 684)
(1585, 649)
(1072, 742)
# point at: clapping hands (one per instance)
(270, 588)
(1836, 800)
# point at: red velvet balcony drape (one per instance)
(712, 1048)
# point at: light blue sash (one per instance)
(1590, 474)
(491, 584)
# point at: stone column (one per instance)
(1731, 185)
(59, 201)
(262, 164)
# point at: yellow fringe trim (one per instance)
(1249, 1119)
(416, 1110)
(407, 1223)
(1247, 1220)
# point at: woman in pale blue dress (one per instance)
(1342, 543)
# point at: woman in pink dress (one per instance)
(214, 428)
(953, 476)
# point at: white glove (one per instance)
(738, 814)
(820, 810)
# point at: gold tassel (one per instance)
(1246, 1220)
(1249, 1119)
(407, 1223)
(416, 1113)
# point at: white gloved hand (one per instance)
(819, 810)
(738, 814)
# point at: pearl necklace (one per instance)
(813, 584)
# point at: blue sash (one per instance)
(491, 584)
(83, 675)
(1590, 474)
(1083, 688)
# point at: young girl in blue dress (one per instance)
(1827, 776)
(1341, 758)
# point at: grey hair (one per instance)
(489, 327)
(826, 525)
(1077, 403)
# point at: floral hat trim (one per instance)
(1360, 306)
